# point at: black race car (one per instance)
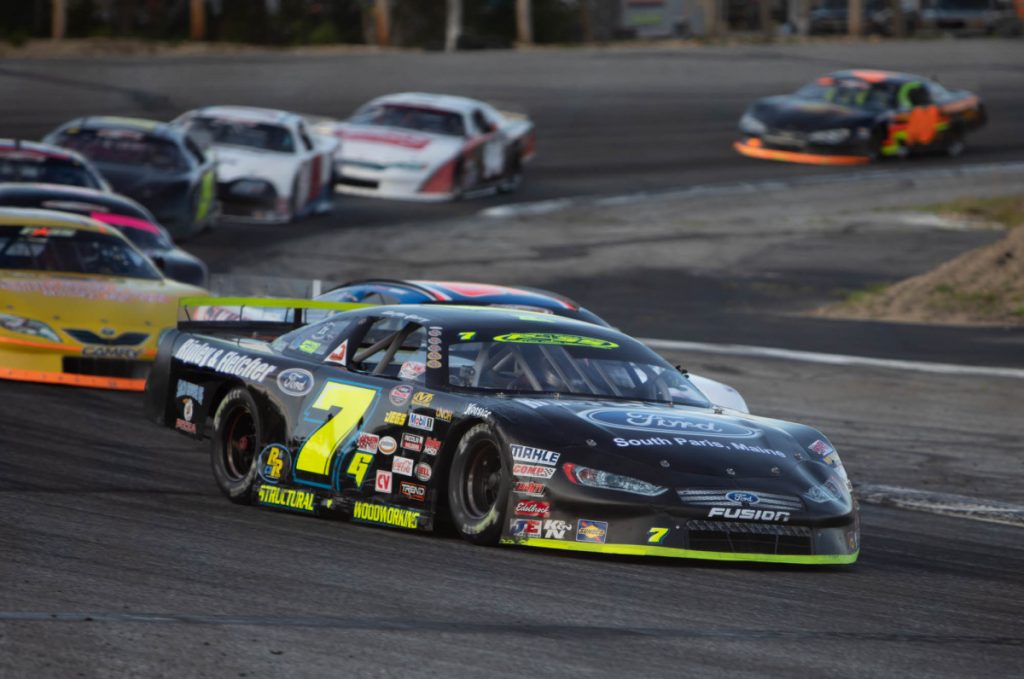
(152, 162)
(854, 117)
(120, 212)
(26, 161)
(516, 427)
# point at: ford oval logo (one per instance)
(665, 422)
(742, 498)
(295, 381)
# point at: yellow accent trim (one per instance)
(650, 550)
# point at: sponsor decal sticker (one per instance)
(443, 414)
(393, 417)
(526, 528)
(185, 426)
(423, 422)
(656, 536)
(434, 332)
(387, 445)
(557, 339)
(473, 410)
(400, 395)
(309, 346)
(358, 467)
(748, 514)
(385, 515)
(413, 491)
(411, 370)
(742, 497)
(295, 381)
(821, 448)
(532, 508)
(556, 529)
(434, 356)
(195, 352)
(339, 355)
(288, 498)
(111, 352)
(533, 470)
(413, 442)
(188, 409)
(193, 391)
(538, 455)
(423, 471)
(422, 398)
(528, 488)
(367, 442)
(432, 446)
(402, 465)
(591, 531)
(383, 482)
(665, 422)
(274, 462)
(433, 365)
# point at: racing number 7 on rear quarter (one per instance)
(353, 402)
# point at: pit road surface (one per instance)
(120, 557)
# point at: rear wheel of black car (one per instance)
(237, 439)
(479, 483)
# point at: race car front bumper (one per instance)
(29, 360)
(753, 147)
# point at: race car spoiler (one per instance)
(269, 315)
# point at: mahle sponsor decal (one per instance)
(289, 498)
(665, 422)
(538, 455)
(385, 515)
(555, 338)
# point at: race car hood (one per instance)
(378, 145)
(794, 113)
(105, 305)
(684, 447)
(235, 162)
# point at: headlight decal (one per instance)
(595, 478)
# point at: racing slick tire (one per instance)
(237, 439)
(479, 484)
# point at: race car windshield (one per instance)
(262, 136)
(551, 363)
(412, 118)
(46, 170)
(125, 147)
(876, 97)
(65, 250)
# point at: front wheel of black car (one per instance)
(479, 483)
(237, 439)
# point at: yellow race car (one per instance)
(79, 304)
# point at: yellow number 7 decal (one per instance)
(353, 402)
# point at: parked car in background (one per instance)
(26, 161)
(988, 17)
(120, 212)
(832, 16)
(271, 166)
(151, 162)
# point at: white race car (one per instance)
(271, 167)
(429, 147)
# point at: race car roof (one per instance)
(64, 192)
(428, 100)
(874, 76)
(472, 293)
(154, 128)
(10, 216)
(8, 146)
(249, 113)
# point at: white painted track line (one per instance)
(944, 504)
(833, 359)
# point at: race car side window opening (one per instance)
(46, 171)
(262, 136)
(125, 147)
(40, 248)
(852, 93)
(392, 347)
(429, 120)
(313, 341)
(618, 372)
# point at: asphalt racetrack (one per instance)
(119, 557)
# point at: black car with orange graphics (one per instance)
(509, 426)
(858, 116)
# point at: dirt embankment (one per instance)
(981, 287)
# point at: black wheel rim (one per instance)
(239, 443)
(482, 479)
